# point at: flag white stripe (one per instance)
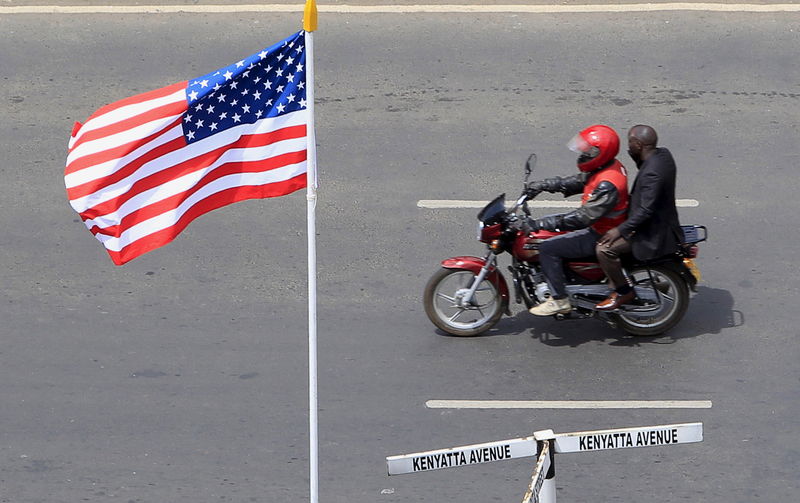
(122, 138)
(110, 167)
(213, 142)
(186, 182)
(170, 218)
(128, 111)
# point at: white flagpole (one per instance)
(309, 25)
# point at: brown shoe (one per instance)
(615, 300)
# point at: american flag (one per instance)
(141, 169)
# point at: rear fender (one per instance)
(474, 265)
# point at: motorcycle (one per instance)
(468, 295)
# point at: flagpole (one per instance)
(310, 25)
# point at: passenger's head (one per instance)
(641, 141)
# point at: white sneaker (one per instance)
(552, 306)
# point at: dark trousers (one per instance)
(552, 251)
(609, 258)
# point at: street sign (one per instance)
(623, 438)
(462, 456)
(541, 488)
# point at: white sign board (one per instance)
(622, 438)
(462, 456)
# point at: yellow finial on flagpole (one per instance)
(310, 16)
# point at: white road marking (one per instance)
(402, 9)
(568, 404)
(439, 204)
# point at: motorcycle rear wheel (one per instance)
(442, 308)
(656, 318)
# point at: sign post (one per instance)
(544, 445)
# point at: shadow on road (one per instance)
(710, 311)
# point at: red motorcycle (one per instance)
(469, 295)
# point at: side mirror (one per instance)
(529, 165)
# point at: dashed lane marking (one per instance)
(439, 204)
(568, 404)
(404, 9)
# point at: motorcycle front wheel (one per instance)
(663, 298)
(444, 308)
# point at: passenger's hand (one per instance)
(610, 237)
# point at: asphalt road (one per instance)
(181, 376)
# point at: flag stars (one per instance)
(233, 96)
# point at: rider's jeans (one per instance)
(577, 244)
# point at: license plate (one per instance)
(689, 263)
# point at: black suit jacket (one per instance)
(652, 226)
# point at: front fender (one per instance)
(474, 265)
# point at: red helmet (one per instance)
(596, 145)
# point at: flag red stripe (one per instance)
(146, 212)
(164, 111)
(119, 152)
(188, 166)
(95, 185)
(139, 98)
(215, 201)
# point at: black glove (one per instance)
(532, 225)
(534, 189)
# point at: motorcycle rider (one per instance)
(652, 229)
(604, 204)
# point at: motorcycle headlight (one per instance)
(480, 230)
